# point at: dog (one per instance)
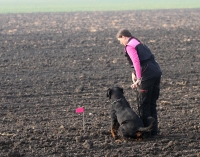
(123, 119)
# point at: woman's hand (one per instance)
(136, 83)
(134, 79)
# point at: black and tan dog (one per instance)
(124, 119)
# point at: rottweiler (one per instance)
(123, 119)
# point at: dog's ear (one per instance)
(109, 92)
(121, 89)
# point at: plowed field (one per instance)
(52, 63)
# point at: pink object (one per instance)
(130, 48)
(80, 110)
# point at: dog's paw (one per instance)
(139, 139)
(139, 134)
(115, 137)
(118, 140)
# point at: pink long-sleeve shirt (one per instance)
(132, 52)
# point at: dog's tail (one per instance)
(148, 128)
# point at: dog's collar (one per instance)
(117, 100)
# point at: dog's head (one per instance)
(116, 91)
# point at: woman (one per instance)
(146, 76)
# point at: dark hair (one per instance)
(126, 33)
(123, 32)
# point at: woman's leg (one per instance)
(145, 92)
(154, 98)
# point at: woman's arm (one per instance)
(135, 59)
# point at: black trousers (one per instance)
(149, 92)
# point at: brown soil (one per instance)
(52, 63)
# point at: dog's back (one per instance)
(125, 113)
